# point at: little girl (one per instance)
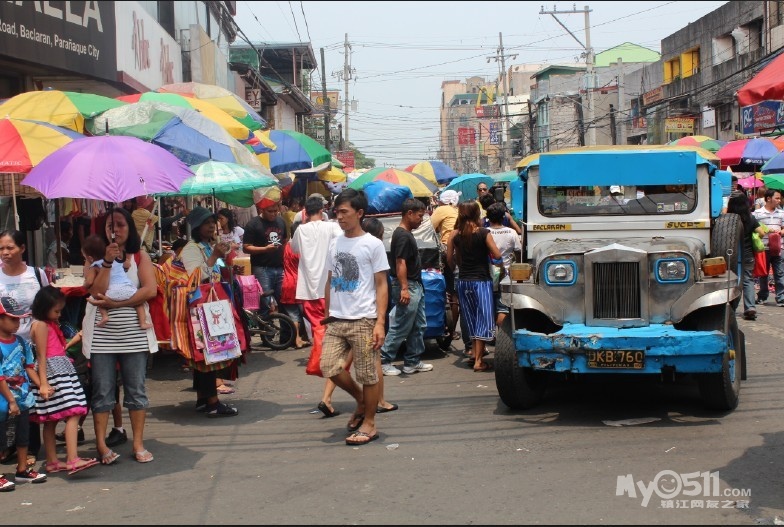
(60, 395)
(120, 286)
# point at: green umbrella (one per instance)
(774, 181)
(228, 182)
(504, 177)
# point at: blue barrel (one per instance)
(435, 303)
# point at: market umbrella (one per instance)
(420, 187)
(748, 151)
(236, 129)
(294, 152)
(436, 172)
(228, 182)
(504, 177)
(751, 181)
(260, 143)
(702, 141)
(187, 134)
(24, 143)
(61, 108)
(774, 181)
(228, 101)
(332, 174)
(775, 165)
(467, 185)
(107, 168)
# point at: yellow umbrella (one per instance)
(61, 108)
(333, 175)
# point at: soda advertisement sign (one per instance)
(764, 115)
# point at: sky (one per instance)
(402, 51)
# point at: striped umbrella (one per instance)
(61, 108)
(434, 171)
(420, 187)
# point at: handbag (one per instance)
(760, 265)
(201, 361)
(217, 324)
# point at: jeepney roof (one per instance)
(638, 166)
(533, 159)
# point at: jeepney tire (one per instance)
(519, 388)
(742, 350)
(721, 391)
(727, 233)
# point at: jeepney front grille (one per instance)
(616, 290)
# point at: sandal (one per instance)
(355, 422)
(7, 454)
(58, 466)
(110, 458)
(484, 367)
(456, 335)
(79, 464)
(143, 457)
(225, 390)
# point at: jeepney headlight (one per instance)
(672, 270)
(560, 272)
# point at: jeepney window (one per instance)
(617, 200)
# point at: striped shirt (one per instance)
(774, 221)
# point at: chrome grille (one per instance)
(616, 290)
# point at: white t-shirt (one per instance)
(507, 241)
(23, 289)
(353, 263)
(235, 236)
(311, 241)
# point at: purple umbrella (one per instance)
(108, 168)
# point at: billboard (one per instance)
(679, 125)
(72, 36)
(466, 136)
(317, 98)
(764, 115)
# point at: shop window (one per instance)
(690, 63)
(724, 114)
(672, 70)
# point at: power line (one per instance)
(295, 21)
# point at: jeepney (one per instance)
(629, 268)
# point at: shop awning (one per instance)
(767, 85)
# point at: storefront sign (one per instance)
(317, 98)
(764, 115)
(495, 133)
(487, 111)
(466, 136)
(74, 36)
(147, 55)
(347, 158)
(655, 95)
(679, 125)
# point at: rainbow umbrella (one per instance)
(236, 129)
(755, 151)
(61, 108)
(420, 187)
(260, 143)
(228, 101)
(294, 152)
(24, 143)
(434, 171)
(702, 141)
(187, 134)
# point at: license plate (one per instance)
(612, 359)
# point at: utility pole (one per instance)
(621, 104)
(346, 75)
(326, 101)
(613, 127)
(500, 57)
(589, 85)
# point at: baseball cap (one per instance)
(319, 195)
(197, 216)
(9, 306)
(616, 189)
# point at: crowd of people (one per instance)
(327, 267)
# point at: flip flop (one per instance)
(322, 406)
(356, 435)
(110, 458)
(143, 456)
(382, 410)
(225, 390)
(360, 418)
(74, 467)
(484, 367)
(59, 466)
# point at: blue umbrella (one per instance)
(466, 184)
(774, 165)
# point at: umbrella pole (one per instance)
(13, 198)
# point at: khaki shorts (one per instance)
(344, 337)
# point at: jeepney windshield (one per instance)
(617, 200)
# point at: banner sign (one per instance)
(347, 158)
(655, 95)
(72, 36)
(679, 125)
(762, 116)
(317, 98)
(466, 136)
(495, 133)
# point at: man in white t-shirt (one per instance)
(311, 241)
(355, 304)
